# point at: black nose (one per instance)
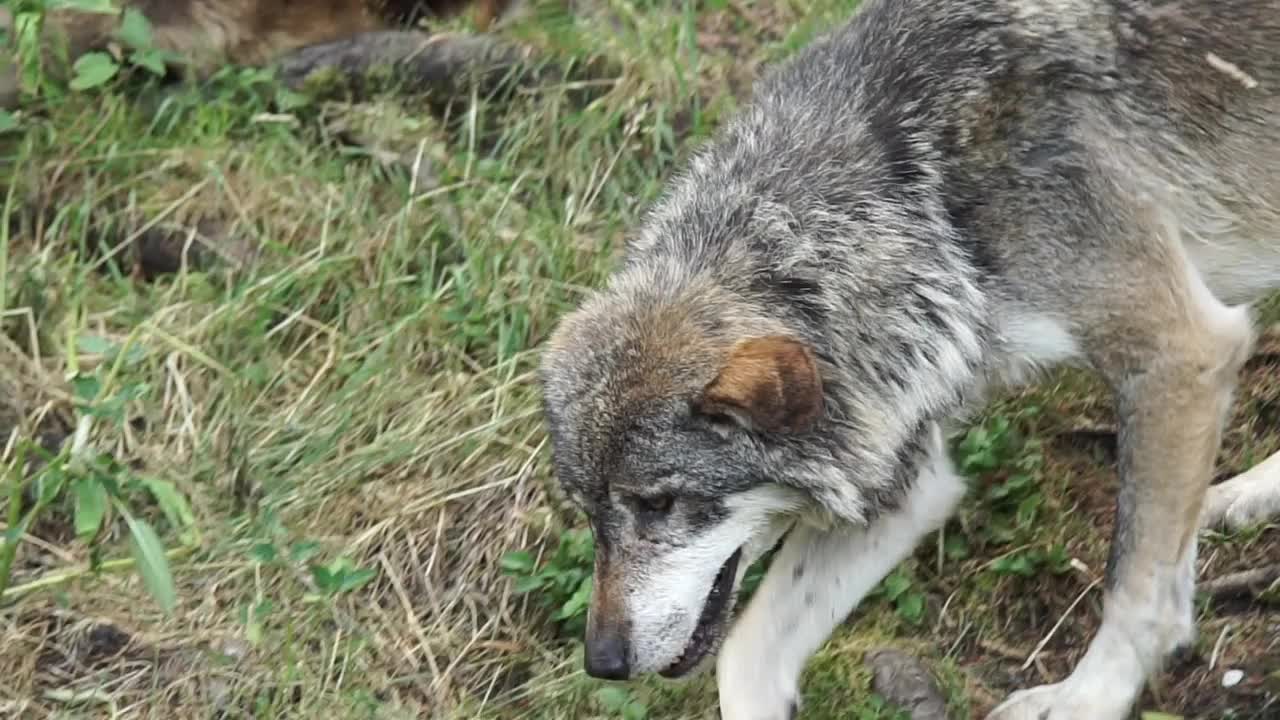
(606, 656)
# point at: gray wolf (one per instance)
(205, 34)
(936, 199)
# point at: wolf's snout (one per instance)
(606, 653)
(608, 644)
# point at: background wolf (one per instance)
(207, 33)
(940, 196)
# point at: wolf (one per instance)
(936, 199)
(205, 34)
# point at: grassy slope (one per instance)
(354, 379)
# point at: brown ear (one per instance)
(768, 383)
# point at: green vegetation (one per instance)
(268, 362)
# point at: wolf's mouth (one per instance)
(709, 631)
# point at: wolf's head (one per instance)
(695, 417)
(669, 419)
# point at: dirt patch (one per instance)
(143, 244)
(72, 649)
(1248, 643)
(61, 660)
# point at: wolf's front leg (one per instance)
(1174, 376)
(815, 581)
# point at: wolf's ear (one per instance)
(768, 383)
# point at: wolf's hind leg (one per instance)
(817, 578)
(1250, 498)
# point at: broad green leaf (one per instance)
(1019, 481)
(289, 100)
(577, 602)
(8, 121)
(264, 553)
(49, 484)
(110, 409)
(613, 697)
(153, 565)
(13, 535)
(911, 607)
(95, 345)
(264, 608)
(173, 505)
(635, 710)
(1028, 509)
(1016, 564)
(25, 33)
(323, 578)
(135, 354)
(86, 388)
(528, 584)
(90, 507)
(93, 69)
(107, 475)
(999, 492)
(896, 584)
(517, 561)
(135, 29)
(150, 60)
(132, 391)
(356, 579)
(340, 566)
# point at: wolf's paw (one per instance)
(1247, 499)
(1060, 701)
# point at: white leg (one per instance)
(1249, 498)
(815, 581)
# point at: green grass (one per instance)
(341, 391)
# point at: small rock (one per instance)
(1231, 678)
(904, 681)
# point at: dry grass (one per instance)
(343, 369)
